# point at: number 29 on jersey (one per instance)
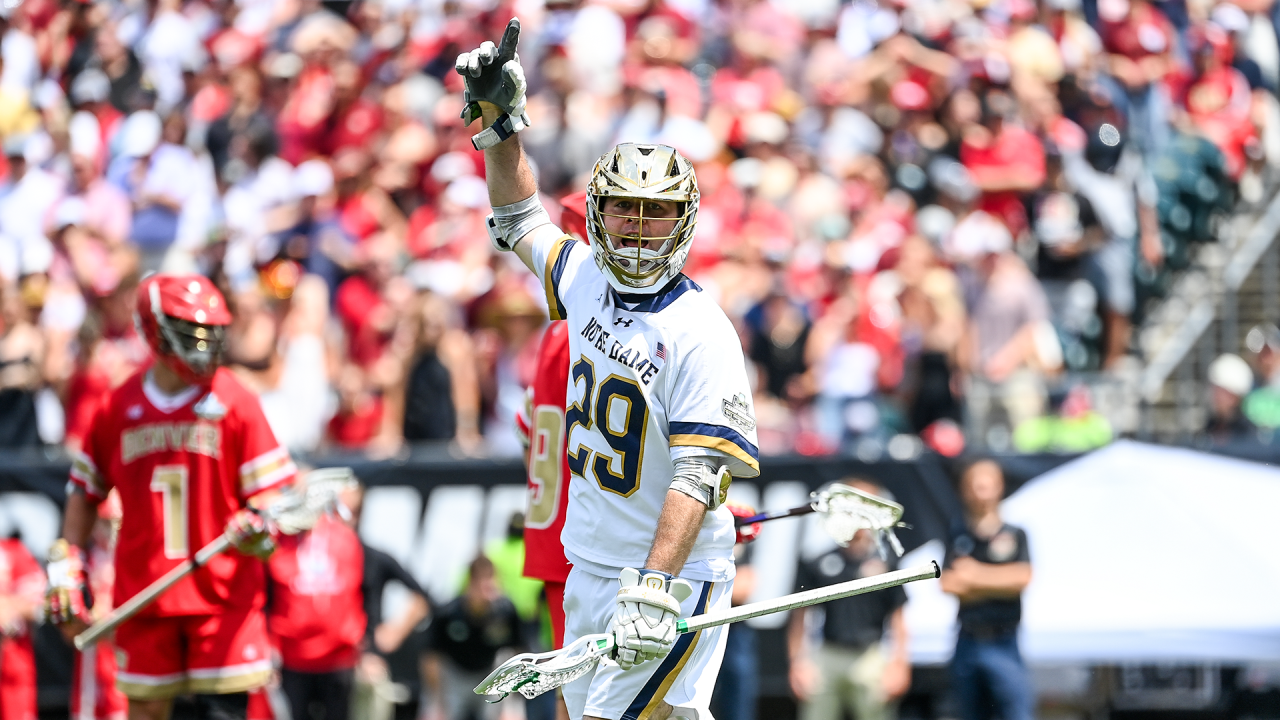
(617, 410)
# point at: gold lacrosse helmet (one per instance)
(642, 171)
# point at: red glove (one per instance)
(746, 533)
(252, 534)
(64, 600)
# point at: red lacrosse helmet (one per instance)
(184, 319)
(573, 215)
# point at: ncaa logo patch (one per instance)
(738, 412)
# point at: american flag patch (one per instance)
(661, 351)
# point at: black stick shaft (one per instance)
(774, 515)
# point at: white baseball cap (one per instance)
(312, 178)
(1231, 373)
(85, 132)
(141, 133)
(91, 85)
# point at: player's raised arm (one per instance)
(495, 93)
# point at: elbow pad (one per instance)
(703, 479)
(509, 223)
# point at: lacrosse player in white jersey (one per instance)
(659, 415)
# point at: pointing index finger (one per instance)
(510, 38)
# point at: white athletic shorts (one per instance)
(685, 678)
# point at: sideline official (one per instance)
(987, 567)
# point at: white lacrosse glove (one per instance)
(492, 74)
(644, 622)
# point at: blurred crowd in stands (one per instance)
(901, 201)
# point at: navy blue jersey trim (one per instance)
(659, 300)
(557, 272)
(715, 431)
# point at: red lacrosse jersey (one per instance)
(183, 465)
(317, 615)
(547, 462)
(20, 576)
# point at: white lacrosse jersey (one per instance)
(652, 378)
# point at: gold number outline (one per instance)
(171, 482)
(579, 414)
(545, 476)
(605, 462)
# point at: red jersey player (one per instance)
(94, 695)
(21, 585)
(190, 452)
(548, 474)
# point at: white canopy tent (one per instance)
(1140, 554)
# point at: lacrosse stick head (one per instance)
(314, 495)
(844, 510)
(532, 674)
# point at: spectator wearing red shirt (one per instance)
(364, 210)
(1004, 160)
(367, 303)
(355, 120)
(1218, 97)
(373, 305)
(316, 617)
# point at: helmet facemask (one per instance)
(649, 250)
(198, 349)
(635, 259)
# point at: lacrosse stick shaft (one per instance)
(775, 514)
(148, 595)
(809, 597)
(301, 511)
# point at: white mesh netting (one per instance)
(532, 674)
(299, 509)
(844, 510)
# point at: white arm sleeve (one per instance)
(704, 478)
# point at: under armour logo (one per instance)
(625, 322)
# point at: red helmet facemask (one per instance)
(184, 320)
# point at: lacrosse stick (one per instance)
(296, 510)
(844, 511)
(532, 674)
